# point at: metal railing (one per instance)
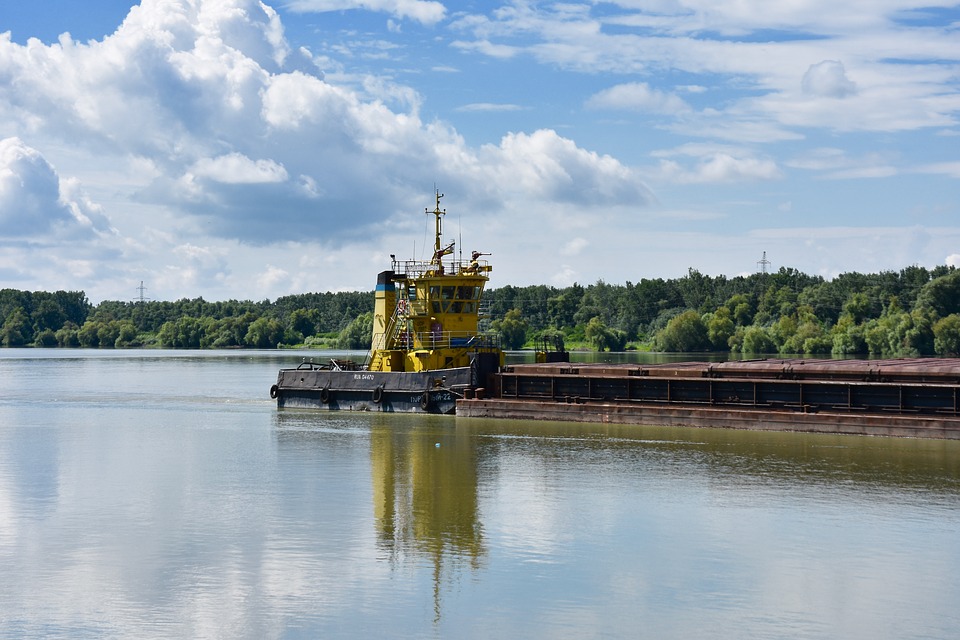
(448, 340)
(420, 268)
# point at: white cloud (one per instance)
(488, 107)
(637, 96)
(837, 164)
(544, 165)
(821, 159)
(714, 164)
(953, 260)
(271, 277)
(290, 100)
(424, 11)
(828, 79)
(488, 48)
(949, 169)
(236, 168)
(726, 47)
(196, 268)
(724, 168)
(864, 172)
(225, 157)
(565, 277)
(574, 247)
(202, 136)
(34, 200)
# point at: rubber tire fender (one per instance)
(378, 394)
(274, 391)
(325, 395)
(425, 401)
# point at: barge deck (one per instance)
(912, 397)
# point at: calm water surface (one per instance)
(161, 494)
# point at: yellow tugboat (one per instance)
(427, 349)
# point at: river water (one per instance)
(160, 494)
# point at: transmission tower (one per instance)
(141, 290)
(764, 263)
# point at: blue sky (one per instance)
(233, 149)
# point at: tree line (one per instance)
(68, 319)
(915, 311)
(912, 312)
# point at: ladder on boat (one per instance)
(394, 330)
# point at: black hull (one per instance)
(386, 391)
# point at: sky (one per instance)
(236, 149)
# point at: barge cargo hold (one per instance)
(913, 397)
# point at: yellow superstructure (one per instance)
(427, 313)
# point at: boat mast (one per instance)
(438, 250)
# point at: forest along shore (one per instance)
(913, 312)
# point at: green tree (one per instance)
(230, 331)
(48, 315)
(67, 335)
(735, 342)
(783, 329)
(45, 338)
(127, 335)
(685, 332)
(589, 308)
(88, 335)
(847, 337)
(304, 321)
(946, 335)
(189, 332)
(776, 302)
(741, 309)
(108, 333)
(720, 327)
(696, 290)
(512, 329)
(561, 308)
(898, 333)
(596, 333)
(809, 337)
(16, 330)
(358, 334)
(824, 299)
(857, 307)
(942, 295)
(603, 337)
(266, 333)
(757, 340)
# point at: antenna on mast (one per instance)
(438, 250)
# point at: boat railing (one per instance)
(425, 268)
(345, 365)
(449, 340)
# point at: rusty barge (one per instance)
(909, 397)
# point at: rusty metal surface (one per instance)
(707, 417)
(941, 370)
(903, 396)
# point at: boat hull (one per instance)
(387, 391)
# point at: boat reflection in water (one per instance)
(596, 526)
(424, 484)
(425, 499)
